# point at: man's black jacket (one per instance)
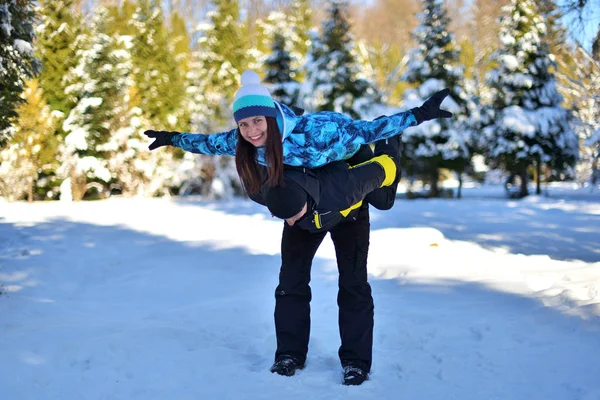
(335, 191)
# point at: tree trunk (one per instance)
(434, 177)
(30, 190)
(538, 174)
(460, 183)
(523, 175)
(78, 185)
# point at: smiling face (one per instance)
(254, 130)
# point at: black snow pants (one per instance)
(293, 294)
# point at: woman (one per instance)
(271, 134)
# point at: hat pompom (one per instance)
(250, 78)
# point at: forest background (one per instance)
(81, 81)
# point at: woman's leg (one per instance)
(385, 197)
(293, 294)
(382, 198)
(356, 310)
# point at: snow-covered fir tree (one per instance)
(334, 78)
(528, 125)
(433, 66)
(301, 18)
(100, 79)
(17, 60)
(586, 92)
(294, 25)
(279, 65)
(105, 147)
(136, 171)
(283, 86)
(31, 150)
(221, 55)
(180, 38)
(561, 48)
(159, 82)
(181, 42)
(217, 61)
(59, 35)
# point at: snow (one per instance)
(77, 138)
(594, 138)
(482, 297)
(5, 20)
(23, 47)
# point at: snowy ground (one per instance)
(479, 298)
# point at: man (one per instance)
(333, 199)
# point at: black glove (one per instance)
(161, 138)
(431, 108)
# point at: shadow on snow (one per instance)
(155, 318)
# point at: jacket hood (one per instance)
(286, 119)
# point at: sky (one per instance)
(584, 27)
(478, 298)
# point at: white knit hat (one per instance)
(253, 99)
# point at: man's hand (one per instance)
(161, 138)
(431, 108)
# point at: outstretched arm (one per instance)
(213, 144)
(388, 126)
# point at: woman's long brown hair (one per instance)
(248, 168)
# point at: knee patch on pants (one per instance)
(389, 168)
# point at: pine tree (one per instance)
(220, 59)
(293, 24)
(87, 125)
(334, 76)
(467, 57)
(383, 31)
(17, 60)
(585, 90)
(31, 150)
(120, 18)
(136, 170)
(280, 65)
(183, 54)
(484, 34)
(159, 82)
(434, 65)
(559, 46)
(529, 126)
(104, 71)
(217, 61)
(301, 17)
(593, 141)
(596, 47)
(59, 35)
(279, 73)
(181, 42)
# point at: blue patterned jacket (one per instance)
(310, 140)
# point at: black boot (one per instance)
(286, 365)
(354, 375)
(392, 147)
